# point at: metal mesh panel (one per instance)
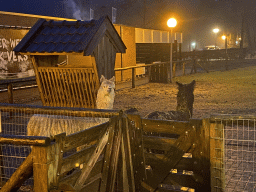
(239, 153)
(16, 118)
(12, 156)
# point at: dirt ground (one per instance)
(219, 92)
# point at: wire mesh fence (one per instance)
(239, 152)
(22, 120)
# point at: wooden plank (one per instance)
(159, 143)
(51, 88)
(127, 158)
(182, 180)
(155, 160)
(114, 156)
(63, 76)
(58, 155)
(40, 88)
(71, 87)
(86, 136)
(107, 155)
(47, 86)
(137, 149)
(74, 112)
(171, 158)
(42, 167)
(80, 157)
(24, 171)
(55, 87)
(86, 88)
(133, 78)
(217, 156)
(201, 153)
(10, 92)
(87, 169)
(89, 81)
(78, 87)
(95, 174)
(165, 126)
(25, 140)
(59, 87)
(69, 181)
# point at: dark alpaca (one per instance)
(184, 109)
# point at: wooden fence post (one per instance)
(201, 154)
(46, 164)
(10, 93)
(217, 156)
(174, 70)
(183, 67)
(133, 77)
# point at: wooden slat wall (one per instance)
(68, 87)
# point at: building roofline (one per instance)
(35, 16)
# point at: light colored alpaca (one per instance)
(50, 125)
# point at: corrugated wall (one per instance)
(129, 58)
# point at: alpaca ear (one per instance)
(102, 78)
(192, 83)
(179, 84)
(112, 79)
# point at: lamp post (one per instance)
(226, 49)
(226, 42)
(171, 23)
(216, 30)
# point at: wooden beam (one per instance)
(10, 92)
(171, 159)
(53, 53)
(80, 157)
(25, 140)
(87, 169)
(165, 126)
(85, 136)
(67, 111)
(24, 171)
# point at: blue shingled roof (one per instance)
(67, 36)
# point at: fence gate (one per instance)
(233, 151)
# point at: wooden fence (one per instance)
(127, 153)
(157, 71)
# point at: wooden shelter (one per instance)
(69, 57)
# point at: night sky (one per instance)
(196, 18)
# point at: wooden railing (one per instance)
(133, 68)
(101, 161)
(127, 153)
(10, 82)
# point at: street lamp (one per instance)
(171, 23)
(193, 45)
(216, 30)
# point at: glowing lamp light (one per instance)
(193, 44)
(223, 37)
(216, 30)
(171, 22)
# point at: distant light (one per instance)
(172, 22)
(193, 44)
(216, 30)
(223, 37)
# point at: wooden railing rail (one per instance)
(67, 111)
(133, 68)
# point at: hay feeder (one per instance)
(69, 57)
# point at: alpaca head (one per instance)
(106, 93)
(185, 97)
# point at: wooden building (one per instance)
(69, 57)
